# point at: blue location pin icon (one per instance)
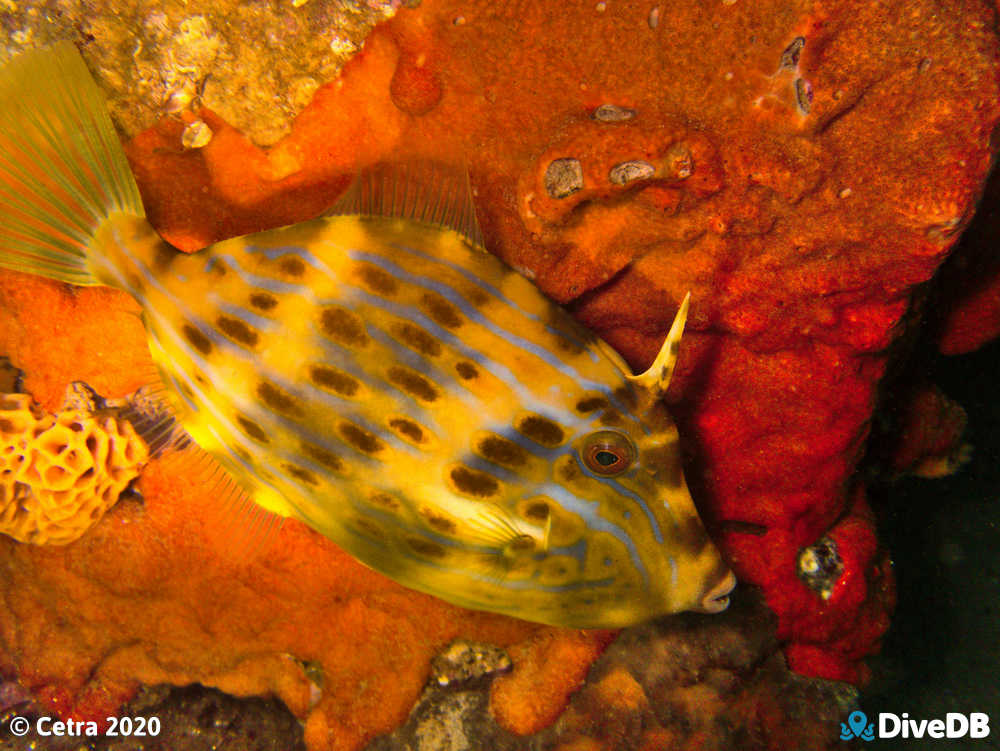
(857, 721)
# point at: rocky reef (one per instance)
(801, 169)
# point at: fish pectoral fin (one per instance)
(657, 378)
(423, 191)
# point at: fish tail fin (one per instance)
(63, 171)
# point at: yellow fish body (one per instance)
(379, 376)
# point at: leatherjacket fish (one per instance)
(379, 376)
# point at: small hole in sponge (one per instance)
(54, 474)
(84, 478)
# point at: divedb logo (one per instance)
(890, 725)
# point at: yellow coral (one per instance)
(60, 473)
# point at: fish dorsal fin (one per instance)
(657, 378)
(422, 191)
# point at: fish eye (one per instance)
(607, 453)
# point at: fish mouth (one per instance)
(717, 598)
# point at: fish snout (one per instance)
(717, 598)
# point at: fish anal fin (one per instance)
(657, 377)
(419, 190)
(236, 527)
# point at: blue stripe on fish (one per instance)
(622, 490)
(258, 322)
(451, 295)
(501, 372)
(266, 283)
(489, 288)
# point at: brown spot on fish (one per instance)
(369, 527)
(566, 345)
(243, 454)
(520, 544)
(541, 430)
(292, 266)
(412, 383)
(383, 500)
(361, 439)
(475, 295)
(237, 330)
(197, 339)
(568, 470)
(438, 522)
(278, 399)
(334, 380)
(164, 256)
(408, 429)
(611, 417)
(263, 301)
(377, 280)
(301, 474)
(626, 396)
(135, 282)
(322, 456)
(252, 429)
(343, 327)
(591, 403)
(466, 370)
(440, 310)
(537, 511)
(473, 482)
(415, 337)
(426, 548)
(502, 451)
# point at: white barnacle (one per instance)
(196, 135)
